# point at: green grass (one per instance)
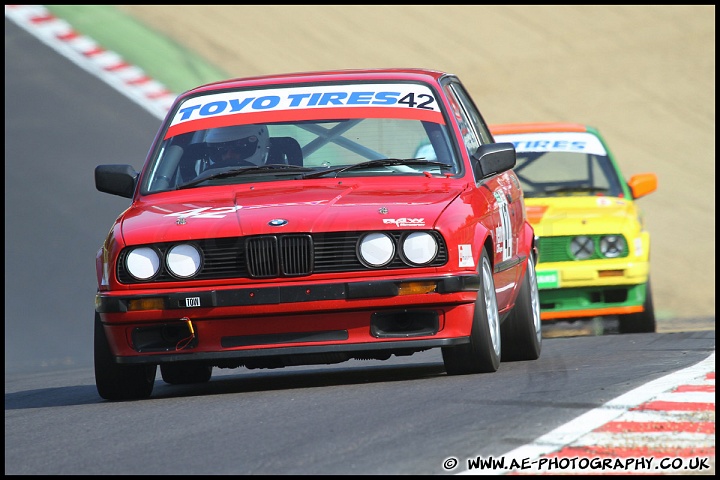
(158, 56)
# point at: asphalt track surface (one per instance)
(60, 123)
(403, 416)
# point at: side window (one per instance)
(469, 135)
(477, 121)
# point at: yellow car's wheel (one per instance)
(642, 322)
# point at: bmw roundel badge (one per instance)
(278, 222)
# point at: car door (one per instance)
(507, 212)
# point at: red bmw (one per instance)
(313, 218)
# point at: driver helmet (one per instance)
(249, 143)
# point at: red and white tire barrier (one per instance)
(129, 80)
(666, 426)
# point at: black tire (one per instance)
(185, 373)
(119, 382)
(482, 354)
(642, 322)
(521, 332)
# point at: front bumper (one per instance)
(108, 302)
(239, 326)
(570, 290)
(591, 273)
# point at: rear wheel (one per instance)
(642, 322)
(119, 382)
(482, 354)
(521, 332)
(184, 373)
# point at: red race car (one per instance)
(314, 218)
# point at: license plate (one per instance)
(548, 279)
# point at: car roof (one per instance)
(537, 127)
(415, 74)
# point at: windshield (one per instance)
(562, 174)
(302, 132)
(565, 164)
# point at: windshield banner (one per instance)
(579, 142)
(327, 102)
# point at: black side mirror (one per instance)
(494, 158)
(116, 179)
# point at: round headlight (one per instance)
(376, 249)
(612, 245)
(183, 260)
(142, 263)
(582, 247)
(420, 248)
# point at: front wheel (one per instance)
(482, 354)
(521, 332)
(119, 382)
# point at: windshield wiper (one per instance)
(234, 172)
(382, 162)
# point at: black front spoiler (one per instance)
(402, 347)
(251, 296)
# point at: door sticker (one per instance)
(503, 233)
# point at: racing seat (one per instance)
(285, 150)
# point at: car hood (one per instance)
(257, 209)
(553, 216)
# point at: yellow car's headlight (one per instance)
(612, 246)
(582, 247)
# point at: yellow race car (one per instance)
(594, 250)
